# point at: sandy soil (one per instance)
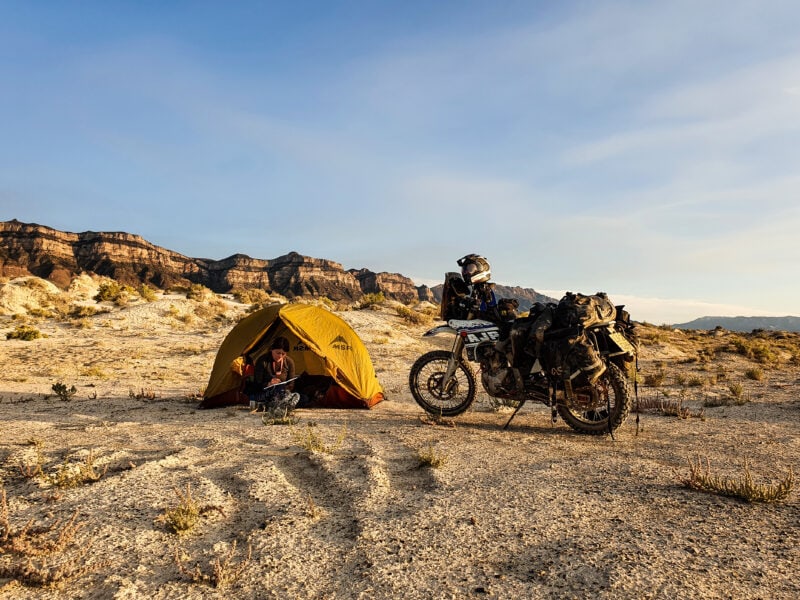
(535, 511)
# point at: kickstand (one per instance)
(514, 414)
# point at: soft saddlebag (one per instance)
(580, 310)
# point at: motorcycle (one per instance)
(592, 395)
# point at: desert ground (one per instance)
(92, 484)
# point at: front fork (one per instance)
(452, 363)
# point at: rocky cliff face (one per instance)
(31, 249)
(392, 285)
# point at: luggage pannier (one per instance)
(586, 311)
(454, 294)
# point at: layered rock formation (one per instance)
(392, 285)
(31, 249)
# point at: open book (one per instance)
(272, 386)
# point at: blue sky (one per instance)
(646, 149)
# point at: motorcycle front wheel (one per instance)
(432, 393)
(601, 408)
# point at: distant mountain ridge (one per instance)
(743, 324)
(59, 256)
(526, 297)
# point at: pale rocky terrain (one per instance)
(535, 511)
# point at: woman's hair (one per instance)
(280, 343)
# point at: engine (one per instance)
(496, 375)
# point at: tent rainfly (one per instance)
(320, 343)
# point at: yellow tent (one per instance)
(320, 343)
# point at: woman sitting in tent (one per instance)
(273, 369)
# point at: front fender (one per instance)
(439, 330)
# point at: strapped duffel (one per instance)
(585, 311)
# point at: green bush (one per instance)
(412, 316)
(251, 296)
(199, 292)
(370, 300)
(108, 291)
(63, 392)
(654, 379)
(25, 333)
(755, 374)
(147, 293)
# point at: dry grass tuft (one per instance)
(412, 316)
(142, 394)
(25, 333)
(72, 475)
(310, 439)
(183, 517)
(39, 556)
(668, 407)
(430, 457)
(224, 570)
(743, 487)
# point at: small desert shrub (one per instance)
(430, 457)
(743, 487)
(41, 556)
(72, 475)
(669, 407)
(214, 308)
(755, 374)
(35, 469)
(111, 291)
(63, 392)
(81, 312)
(81, 323)
(695, 381)
(198, 292)
(707, 354)
(93, 372)
(147, 293)
(224, 571)
(251, 296)
(371, 300)
(186, 318)
(412, 316)
(184, 516)
(735, 396)
(758, 350)
(654, 379)
(142, 394)
(680, 379)
(715, 401)
(650, 338)
(310, 440)
(326, 302)
(34, 283)
(25, 333)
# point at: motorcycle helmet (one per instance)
(475, 269)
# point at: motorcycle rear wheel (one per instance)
(426, 383)
(612, 389)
